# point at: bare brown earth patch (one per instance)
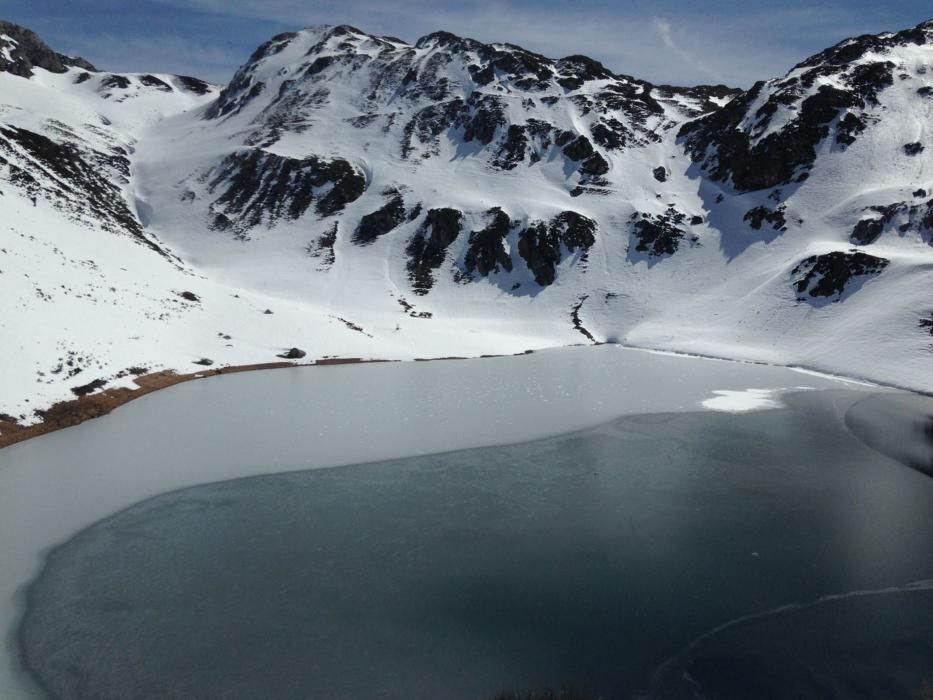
(86, 406)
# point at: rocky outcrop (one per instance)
(486, 252)
(408, 91)
(257, 187)
(832, 93)
(659, 235)
(428, 248)
(542, 245)
(833, 274)
(759, 215)
(81, 183)
(381, 221)
(21, 52)
(901, 217)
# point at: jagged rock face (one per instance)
(257, 187)
(902, 218)
(542, 245)
(381, 221)
(80, 182)
(499, 102)
(769, 135)
(194, 85)
(21, 51)
(759, 215)
(428, 247)
(358, 174)
(831, 274)
(487, 252)
(659, 235)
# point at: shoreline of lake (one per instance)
(249, 423)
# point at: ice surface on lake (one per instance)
(290, 419)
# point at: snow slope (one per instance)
(357, 196)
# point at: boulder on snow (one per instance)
(292, 354)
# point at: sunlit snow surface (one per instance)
(742, 401)
(106, 303)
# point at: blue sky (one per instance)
(673, 41)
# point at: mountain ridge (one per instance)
(349, 195)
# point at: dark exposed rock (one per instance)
(849, 127)
(482, 118)
(195, 85)
(486, 252)
(866, 231)
(868, 79)
(704, 95)
(261, 187)
(323, 247)
(658, 235)
(114, 82)
(852, 49)
(726, 151)
(72, 179)
(913, 148)
(579, 148)
(429, 123)
(577, 322)
(157, 83)
(927, 323)
(244, 88)
(27, 51)
(88, 388)
(906, 217)
(696, 220)
(541, 244)
(594, 166)
(205, 361)
(189, 296)
(512, 151)
(381, 221)
(920, 193)
(736, 144)
(660, 173)
(292, 354)
(611, 134)
(428, 248)
(829, 274)
(757, 216)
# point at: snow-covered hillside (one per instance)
(356, 196)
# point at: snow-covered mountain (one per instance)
(358, 196)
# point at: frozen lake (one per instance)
(589, 558)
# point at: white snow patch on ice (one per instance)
(742, 401)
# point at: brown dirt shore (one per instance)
(65, 414)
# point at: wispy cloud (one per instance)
(664, 41)
(664, 30)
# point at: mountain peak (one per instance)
(21, 51)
